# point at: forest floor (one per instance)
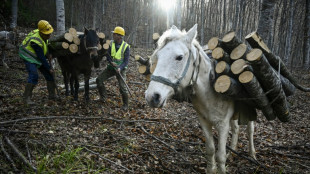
(74, 137)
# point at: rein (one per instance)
(175, 85)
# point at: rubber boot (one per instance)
(51, 89)
(102, 92)
(125, 101)
(28, 93)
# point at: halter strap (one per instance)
(168, 82)
(88, 48)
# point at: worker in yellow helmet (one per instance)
(118, 57)
(34, 51)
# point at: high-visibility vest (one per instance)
(118, 56)
(27, 53)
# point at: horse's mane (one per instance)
(172, 34)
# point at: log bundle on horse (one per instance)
(73, 65)
(184, 70)
(257, 75)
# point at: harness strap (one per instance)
(168, 82)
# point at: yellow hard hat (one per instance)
(119, 30)
(45, 27)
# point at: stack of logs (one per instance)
(68, 43)
(254, 75)
(144, 67)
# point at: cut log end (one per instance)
(254, 39)
(238, 66)
(217, 53)
(73, 31)
(213, 43)
(222, 84)
(101, 35)
(254, 54)
(68, 37)
(156, 36)
(238, 52)
(105, 46)
(246, 77)
(229, 36)
(220, 67)
(73, 48)
(76, 40)
(65, 45)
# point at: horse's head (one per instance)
(175, 59)
(90, 42)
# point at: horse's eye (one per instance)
(179, 58)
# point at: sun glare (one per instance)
(166, 4)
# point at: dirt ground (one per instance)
(73, 137)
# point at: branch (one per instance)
(112, 162)
(7, 155)
(19, 154)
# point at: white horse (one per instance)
(184, 71)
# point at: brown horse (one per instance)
(81, 63)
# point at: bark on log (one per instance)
(239, 66)
(145, 70)
(220, 55)
(58, 45)
(239, 52)
(256, 92)
(230, 42)
(257, 42)
(270, 82)
(222, 68)
(214, 42)
(288, 87)
(142, 60)
(67, 37)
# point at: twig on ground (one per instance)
(7, 155)
(19, 154)
(112, 162)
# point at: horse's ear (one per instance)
(97, 30)
(85, 30)
(191, 34)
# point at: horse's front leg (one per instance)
(71, 84)
(235, 128)
(250, 131)
(210, 148)
(86, 94)
(222, 128)
(76, 87)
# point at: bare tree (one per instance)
(14, 14)
(60, 13)
(307, 38)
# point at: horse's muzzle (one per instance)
(155, 101)
(95, 60)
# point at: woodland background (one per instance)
(70, 137)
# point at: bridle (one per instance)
(88, 48)
(176, 84)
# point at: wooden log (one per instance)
(73, 48)
(58, 45)
(145, 70)
(58, 53)
(222, 68)
(72, 31)
(142, 60)
(257, 42)
(155, 37)
(288, 88)
(239, 52)
(101, 35)
(67, 37)
(153, 66)
(239, 66)
(105, 46)
(214, 42)
(230, 42)
(256, 92)
(270, 82)
(99, 46)
(228, 86)
(220, 55)
(76, 40)
(108, 42)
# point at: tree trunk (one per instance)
(306, 59)
(60, 11)
(14, 14)
(270, 83)
(265, 24)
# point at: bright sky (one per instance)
(166, 4)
